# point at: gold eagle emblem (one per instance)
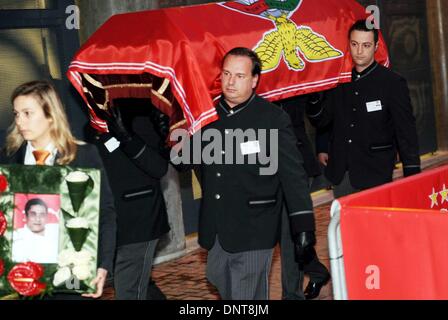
(288, 40)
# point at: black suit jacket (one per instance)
(371, 120)
(134, 170)
(87, 157)
(295, 107)
(241, 206)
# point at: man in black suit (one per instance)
(242, 201)
(371, 120)
(134, 164)
(292, 273)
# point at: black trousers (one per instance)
(292, 278)
(344, 188)
(133, 268)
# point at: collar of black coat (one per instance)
(18, 157)
(359, 75)
(232, 111)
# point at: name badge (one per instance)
(250, 147)
(112, 144)
(374, 106)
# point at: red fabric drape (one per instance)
(395, 240)
(186, 46)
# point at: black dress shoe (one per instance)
(312, 290)
(154, 292)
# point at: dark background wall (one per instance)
(35, 44)
(404, 26)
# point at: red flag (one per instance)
(303, 45)
(394, 239)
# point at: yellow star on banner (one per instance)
(444, 194)
(433, 198)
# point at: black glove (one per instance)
(117, 127)
(161, 123)
(303, 245)
(313, 105)
(314, 97)
(113, 119)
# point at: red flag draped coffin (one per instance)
(173, 56)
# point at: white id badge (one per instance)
(250, 147)
(112, 144)
(374, 106)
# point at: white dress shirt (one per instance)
(29, 246)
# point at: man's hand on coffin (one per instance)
(161, 123)
(116, 126)
(112, 118)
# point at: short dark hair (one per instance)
(34, 202)
(245, 52)
(361, 25)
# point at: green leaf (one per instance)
(67, 215)
(90, 186)
(34, 179)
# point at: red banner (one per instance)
(394, 239)
(303, 45)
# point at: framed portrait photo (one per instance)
(36, 228)
(49, 219)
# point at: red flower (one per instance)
(3, 224)
(2, 267)
(3, 183)
(24, 279)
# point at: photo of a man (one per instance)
(37, 240)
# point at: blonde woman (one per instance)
(40, 135)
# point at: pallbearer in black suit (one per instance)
(40, 135)
(134, 164)
(242, 202)
(371, 120)
(292, 275)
